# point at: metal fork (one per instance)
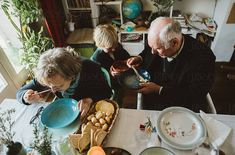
(209, 145)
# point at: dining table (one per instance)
(124, 134)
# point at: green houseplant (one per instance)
(34, 42)
(42, 141)
(7, 134)
(6, 123)
(161, 8)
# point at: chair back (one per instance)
(106, 75)
(92, 58)
(108, 79)
(211, 106)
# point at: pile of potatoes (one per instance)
(100, 119)
(95, 128)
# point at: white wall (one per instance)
(147, 4)
(202, 7)
(205, 7)
(225, 36)
(224, 40)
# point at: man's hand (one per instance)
(84, 106)
(149, 87)
(134, 61)
(32, 97)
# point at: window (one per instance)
(3, 83)
(9, 41)
(12, 73)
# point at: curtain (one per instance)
(53, 13)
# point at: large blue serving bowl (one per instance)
(60, 113)
(129, 79)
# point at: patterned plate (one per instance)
(181, 128)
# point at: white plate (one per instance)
(156, 151)
(181, 128)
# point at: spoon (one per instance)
(141, 79)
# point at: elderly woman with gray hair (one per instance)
(68, 76)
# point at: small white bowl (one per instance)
(156, 151)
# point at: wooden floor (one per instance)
(222, 92)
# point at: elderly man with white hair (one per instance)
(182, 69)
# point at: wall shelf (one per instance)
(117, 2)
(79, 9)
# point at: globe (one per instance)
(131, 8)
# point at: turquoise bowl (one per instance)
(60, 113)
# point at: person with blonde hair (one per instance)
(63, 72)
(108, 49)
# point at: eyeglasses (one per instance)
(36, 115)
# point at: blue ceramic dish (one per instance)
(129, 79)
(60, 113)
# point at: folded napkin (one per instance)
(217, 131)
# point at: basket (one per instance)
(110, 125)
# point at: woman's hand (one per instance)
(31, 96)
(84, 106)
(149, 87)
(134, 61)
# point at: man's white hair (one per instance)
(169, 31)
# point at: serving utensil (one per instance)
(141, 79)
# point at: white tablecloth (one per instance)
(123, 134)
(22, 117)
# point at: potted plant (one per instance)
(6, 134)
(161, 8)
(42, 141)
(34, 41)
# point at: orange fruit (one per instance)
(96, 150)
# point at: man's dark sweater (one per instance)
(186, 80)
